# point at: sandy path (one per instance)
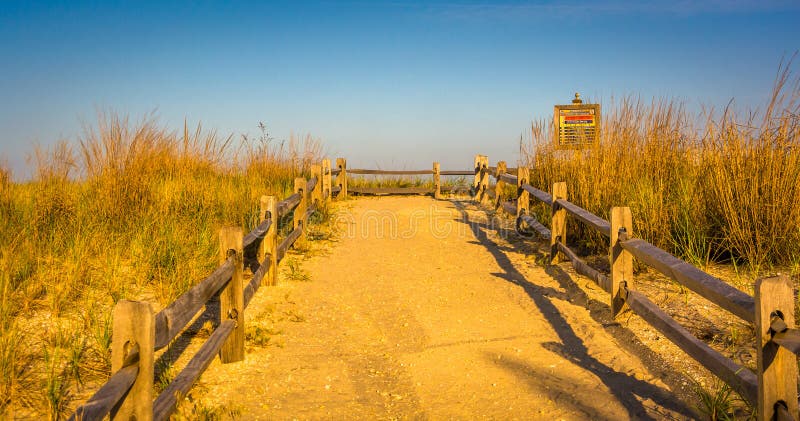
(423, 310)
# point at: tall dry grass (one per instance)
(131, 211)
(727, 188)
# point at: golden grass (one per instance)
(724, 189)
(129, 212)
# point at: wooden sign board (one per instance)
(577, 125)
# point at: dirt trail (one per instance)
(425, 309)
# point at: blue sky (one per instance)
(395, 85)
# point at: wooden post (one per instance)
(231, 299)
(523, 197)
(484, 187)
(621, 261)
(270, 241)
(299, 221)
(476, 184)
(316, 194)
(134, 331)
(437, 186)
(263, 215)
(341, 179)
(326, 180)
(558, 222)
(498, 187)
(309, 202)
(777, 366)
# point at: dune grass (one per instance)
(131, 211)
(726, 189)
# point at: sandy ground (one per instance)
(425, 309)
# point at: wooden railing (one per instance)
(138, 333)
(436, 190)
(772, 388)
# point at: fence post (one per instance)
(299, 221)
(621, 261)
(341, 179)
(523, 197)
(476, 183)
(484, 186)
(437, 186)
(316, 194)
(263, 215)
(777, 367)
(326, 180)
(231, 299)
(270, 241)
(558, 222)
(498, 187)
(134, 331)
(478, 186)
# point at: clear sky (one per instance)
(396, 84)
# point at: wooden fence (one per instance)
(138, 333)
(436, 190)
(772, 388)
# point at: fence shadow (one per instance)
(180, 344)
(624, 387)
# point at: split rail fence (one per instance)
(771, 389)
(138, 332)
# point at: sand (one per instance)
(426, 309)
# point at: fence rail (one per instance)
(138, 333)
(342, 189)
(391, 190)
(710, 287)
(388, 172)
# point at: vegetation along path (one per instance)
(433, 309)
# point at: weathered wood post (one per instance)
(299, 219)
(498, 187)
(476, 183)
(558, 222)
(484, 180)
(231, 299)
(777, 367)
(269, 245)
(263, 215)
(478, 186)
(309, 202)
(326, 180)
(523, 197)
(437, 185)
(477, 180)
(134, 331)
(341, 179)
(316, 194)
(621, 261)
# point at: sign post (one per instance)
(577, 125)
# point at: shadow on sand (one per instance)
(628, 390)
(209, 314)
